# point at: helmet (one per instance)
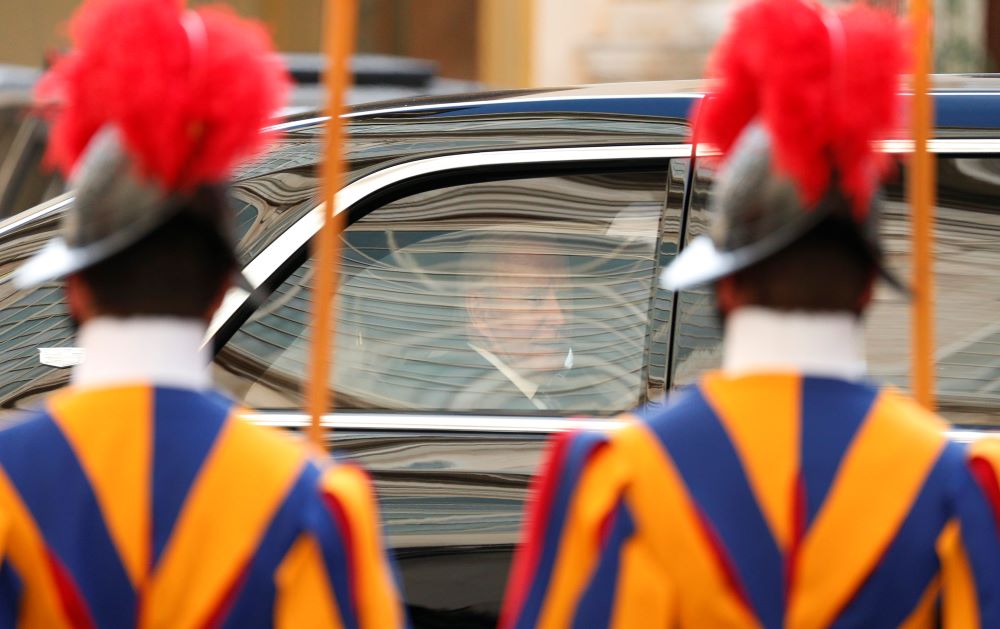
(151, 110)
(802, 95)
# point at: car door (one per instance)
(485, 302)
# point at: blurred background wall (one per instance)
(521, 43)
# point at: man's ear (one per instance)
(220, 295)
(727, 295)
(866, 295)
(79, 299)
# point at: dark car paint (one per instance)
(452, 515)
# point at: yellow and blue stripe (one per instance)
(766, 501)
(145, 506)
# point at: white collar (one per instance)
(162, 351)
(525, 386)
(764, 340)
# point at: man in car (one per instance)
(784, 490)
(139, 496)
(512, 347)
(499, 338)
(517, 328)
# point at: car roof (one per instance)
(963, 100)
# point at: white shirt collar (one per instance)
(162, 351)
(764, 340)
(525, 386)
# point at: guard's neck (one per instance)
(161, 351)
(761, 340)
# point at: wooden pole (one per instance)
(341, 16)
(922, 186)
(506, 43)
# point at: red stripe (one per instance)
(986, 476)
(540, 495)
(798, 532)
(725, 563)
(346, 533)
(225, 604)
(74, 606)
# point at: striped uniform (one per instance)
(764, 501)
(142, 506)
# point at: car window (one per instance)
(25, 179)
(10, 121)
(528, 295)
(967, 277)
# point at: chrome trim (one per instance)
(293, 110)
(39, 211)
(969, 436)
(263, 266)
(956, 92)
(285, 126)
(939, 145)
(972, 145)
(453, 423)
(481, 423)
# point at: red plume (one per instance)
(824, 83)
(189, 91)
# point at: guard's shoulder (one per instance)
(916, 424)
(573, 451)
(680, 408)
(22, 429)
(983, 457)
(580, 457)
(904, 410)
(987, 448)
(632, 447)
(339, 479)
(268, 441)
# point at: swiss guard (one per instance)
(784, 490)
(138, 497)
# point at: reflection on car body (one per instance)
(593, 188)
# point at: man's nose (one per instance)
(553, 310)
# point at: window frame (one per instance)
(269, 268)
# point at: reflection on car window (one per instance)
(967, 277)
(519, 296)
(25, 180)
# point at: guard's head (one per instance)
(803, 92)
(827, 269)
(183, 268)
(151, 113)
(130, 247)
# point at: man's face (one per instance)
(520, 315)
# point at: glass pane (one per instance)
(10, 120)
(31, 180)
(967, 276)
(519, 296)
(967, 285)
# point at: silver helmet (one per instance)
(757, 212)
(151, 111)
(115, 207)
(801, 93)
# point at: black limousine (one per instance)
(536, 221)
